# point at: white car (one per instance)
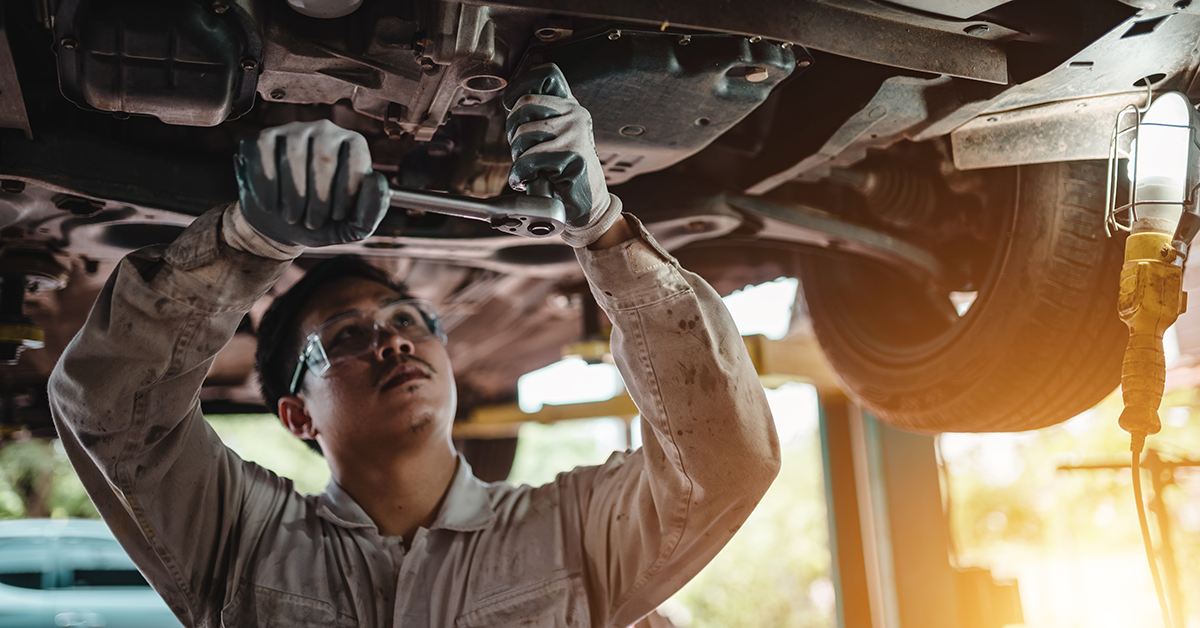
(72, 572)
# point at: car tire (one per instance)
(1040, 343)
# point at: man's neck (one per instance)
(404, 492)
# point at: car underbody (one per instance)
(777, 138)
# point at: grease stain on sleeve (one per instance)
(156, 434)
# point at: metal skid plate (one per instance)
(636, 84)
(1068, 113)
(185, 62)
(860, 29)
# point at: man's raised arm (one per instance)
(124, 395)
(647, 522)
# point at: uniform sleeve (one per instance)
(652, 519)
(124, 397)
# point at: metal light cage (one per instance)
(1121, 147)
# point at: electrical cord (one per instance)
(1136, 444)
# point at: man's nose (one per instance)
(388, 342)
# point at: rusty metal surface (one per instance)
(853, 28)
(1063, 131)
(1068, 113)
(1115, 62)
(1059, 116)
(12, 103)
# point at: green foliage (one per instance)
(543, 451)
(262, 439)
(1040, 511)
(36, 480)
(764, 576)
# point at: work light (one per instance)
(1163, 170)
(1161, 218)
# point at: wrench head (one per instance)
(529, 216)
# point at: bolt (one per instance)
(220, 7)
(787, 45)
(755, 39)
(428, 66)
(68, 44)
(278, 94)
(803, 63)
(1165, 252)
(632, 130)
(249, 63)
(393, 130)
(614, 35)
(757, 74)
(685, 40)
(977, 30)
(552, 33)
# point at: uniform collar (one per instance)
(467, 506)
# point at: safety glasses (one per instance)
(359, 333)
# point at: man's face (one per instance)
(399, 396)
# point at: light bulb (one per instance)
(1160, 163)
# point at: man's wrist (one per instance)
(238, 233)
(619, 232)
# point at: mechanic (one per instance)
(404, 533)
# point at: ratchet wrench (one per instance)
(533, 216)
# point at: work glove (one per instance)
(310, 184)
(551, 138)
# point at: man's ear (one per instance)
(295, 417)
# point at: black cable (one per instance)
(1136, 447)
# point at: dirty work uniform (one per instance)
(226, 542)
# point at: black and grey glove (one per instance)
(310, 184)
(551, 137)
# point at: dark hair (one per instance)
(279, 338)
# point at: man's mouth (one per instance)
(402, 373)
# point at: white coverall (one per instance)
(228, 543)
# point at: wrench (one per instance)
(532, 216)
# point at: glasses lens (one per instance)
(347, 336)
(355, 334)
(413, 320)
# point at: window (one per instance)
(23, 560)
(90, 562)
